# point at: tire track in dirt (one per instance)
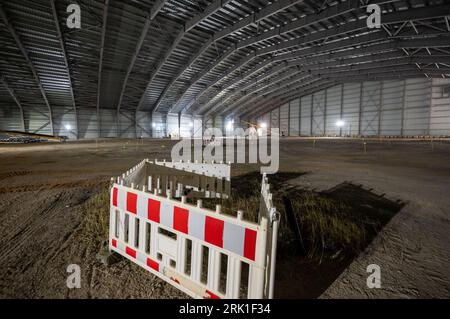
(47, 186)
(14, 174)
(31, 226)
(28, 254)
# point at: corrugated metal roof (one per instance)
(202, 57)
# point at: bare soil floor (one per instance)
(43, 188)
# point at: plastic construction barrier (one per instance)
(204, 253)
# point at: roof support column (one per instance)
(360, 108)
(66, 62)
(380, 108)
(30, 64)
(100, 65)
(14, 97)
(342, 108)
(402, 126)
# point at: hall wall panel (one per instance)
(294, 117)
(284, 119)
(333, 110)
(305, 115)
(440, 107)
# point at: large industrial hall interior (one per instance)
(169, 149)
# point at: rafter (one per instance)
(66, 62)
(254, 18)
(316, 54)
(344, 65)
(299, 90)
(395, 17)
(211, 9)
(353, 76)
(157, 6)
(328, 13)
(16, 100)
(100, 64)
(24, 52)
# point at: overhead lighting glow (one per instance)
(263, 125)
(340, 123)
(230, 125)
(68, 127)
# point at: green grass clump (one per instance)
(328, 228)
(96, 218)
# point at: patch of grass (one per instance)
(96, 219)
(327, 227)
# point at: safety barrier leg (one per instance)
(257, 273)
(213, 269)
(196, 263)
(181, 255)
(233, 277)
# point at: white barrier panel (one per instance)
(203, 253)
(220, 170)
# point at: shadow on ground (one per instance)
(321, 233)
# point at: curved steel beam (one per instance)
(268, 98)
(378, 74)
(157, 6)
(328, 13)
(30, 64)
(255, 17)
(337, 79)
(352, 63)
(100, 65)
(16, 100)
(66, 62)
(395, 17)
(315, 85)
(371, 68)
(319, 56)
(211, 9)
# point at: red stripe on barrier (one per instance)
(132, 202)
(115, 196)
(211, 295)
(130, 252)
(180, 219)
(153, 210)
(152, 264)
(114, 243)
(214, 231)
(250, 244)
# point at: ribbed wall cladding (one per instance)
(402, 107)
(397, 107)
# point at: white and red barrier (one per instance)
(204, 253)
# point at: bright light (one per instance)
(68, 127)
(259, 131)
(263, 125)
(191, 124)
(230, 125)
(340, 123)
(153, 125)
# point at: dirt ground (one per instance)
(43, 187)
